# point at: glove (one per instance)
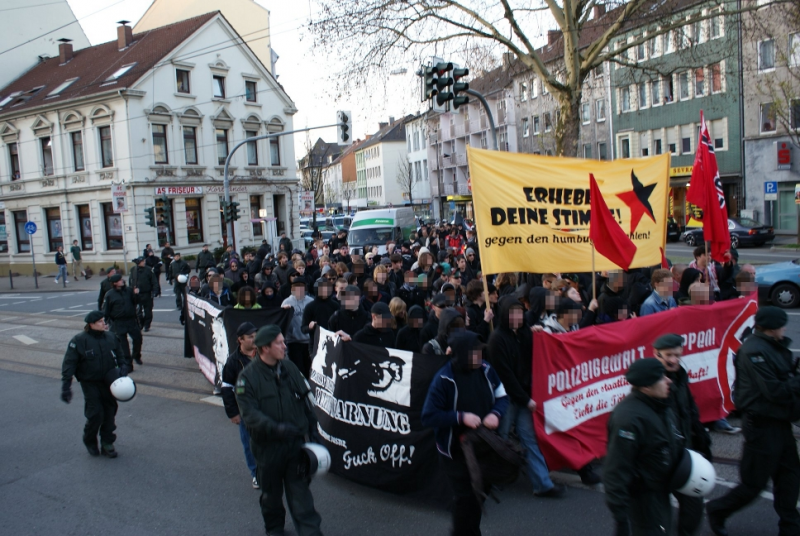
(623, 528)
(287, 431)
(66, 392)
(124, 370)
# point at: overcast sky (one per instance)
(304, 75)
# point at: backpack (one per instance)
(491, 460)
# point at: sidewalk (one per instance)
(25, 284)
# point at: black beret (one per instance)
(267, 334)
(92, 317)
(645, 372)
(114, 278)
(668, 340)
(770, 317)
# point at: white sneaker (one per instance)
(255, 483)
(56, 281)
(66, 281)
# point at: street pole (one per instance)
(33, 259)
(488, 113)
(227, 182)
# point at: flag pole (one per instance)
(486, 297)
(594, 276)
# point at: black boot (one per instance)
(588, 476)
(92, 448)
(108, 451)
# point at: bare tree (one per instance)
(312, 168)
(405, 179)
(373, 36)
(347, 194)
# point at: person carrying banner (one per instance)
(466, 393)
(767, 392)
(237, 361)
(120, 309)
(379, 331)
(179, 267)
(514, 369)
(273, 402)
(350, 317)
(668, 350)
(643, 449)
(661, 298)
(319, 311)
(408, 335)
(297, 339)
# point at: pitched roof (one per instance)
(94, 65)
(392, 132)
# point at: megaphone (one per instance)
(694, 476)
(122, 387)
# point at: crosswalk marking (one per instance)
(24, 339)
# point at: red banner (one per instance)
(579, 377)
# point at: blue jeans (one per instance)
(248, 455)
(62, 271)
(522, 419)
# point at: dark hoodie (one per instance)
(350, 322)
(262, 300)
(537, 303)
(408, 337)
(504, 354)
(320, 310)
(690, 275)
(446, 317)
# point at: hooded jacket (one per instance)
(295, 333)
(350, 322)
(320, 311)
(443, 411)
(505, 356)
(446, 317)
(551, 325)
(268, 303)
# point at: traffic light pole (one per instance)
(227, 182)
(488, 113)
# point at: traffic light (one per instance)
(429, 89)
(233, 207)
(344, 121)
(459, 87)
(164, 212)
(443, 83)
(226, 211)
(150, 216)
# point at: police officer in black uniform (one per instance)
(643, 449)
(144, 280)
(669, 349)
(272, 397)
(90, 356)
(767, 392)
(121, 311)
(205, 260)
(105, 286)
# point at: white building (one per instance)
(417, 148)
(29, 32)
(378, 162)
(156, 112)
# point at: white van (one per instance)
(376, 227)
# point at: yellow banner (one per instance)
(532, 212)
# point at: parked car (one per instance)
(744, 232)
(779, 283)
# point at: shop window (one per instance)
(55, 236)
(194, 220)
(23, 238)
(3, 233)
(255, 211)
(85, 222)
(113, 227)
(165, 229)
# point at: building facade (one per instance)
(378, 163)
(416, 179)
(152, 115)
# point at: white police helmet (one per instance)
(122, 388)
(183, 278)
(694, 476)
(317, 458)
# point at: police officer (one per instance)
(669, 349)
(177, 267)
(121, 311)
(767, 392)
(90, 356)
(643, 449)
(272, 397)
(105, 286)
(144, 280)
(205, 260)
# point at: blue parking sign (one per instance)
(771, 187)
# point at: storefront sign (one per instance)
(680, 171)
(784, 155)
(119, 198)
(232, 189)
(178, 190)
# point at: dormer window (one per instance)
(64, 85)
(10, 98)
(119, 73)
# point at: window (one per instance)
(525, 128)
(3, 235)
(667, 42)
(683, 85)
(85, 222)
(598, 71)
(13, 161)
(119, 73)
(644, 144)
(766, 55)
(686, 139)
(190, 145)
(699, 82)
(252, 148)
(47, 155)
(625, 148)
(218, 87)
(23, 238)
(77, 150)
(697, 31)
(165, 227)
(768, 123)
(534, 88)
(250, 91)
(681, 38)
(160, 154)
(536, 124)
(640, 51)
(274, 152)
(55, 235)
(182, 81)
(194, 221)
(625, 99)
(600, 110)
(587, 150)
(586, 113)
(669, 93)
(652, 47)
(61, 87)
(222, 145)
(794, 50)
(794, 108)
(106, 154)
(548, 124)
(642, 87)
(672, 148)
(655, 93)
(113, 225)
(523, 91)
(715, 27)
(716, 77)
(657, 147)
(255, 213)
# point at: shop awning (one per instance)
(459, 198)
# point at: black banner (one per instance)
(369, 401)
(211, 332)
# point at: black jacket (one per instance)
(686, 413)
(120, 305)
(408, 339)
(319, 311)
(446, 318)
(376, 337)
(430, 329)
(105, 286)
(477, 324)
(412, 297)
(205, 259)
(235, 364)
(350, 322)
(504, 353)
(177, 268)
(90, 355)
(143, 278)
(154, 263)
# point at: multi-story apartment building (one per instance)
(417, 182)
(660, 87)
(340, 180)
(771, 63)
(450, 133)
(155, 114)
(313, 168)
(378, 162)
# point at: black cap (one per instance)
(382, 310)
(771, 317)
(92, 317)
(245, 328)
(669, 340)
(298, 281)
(645, 372)
(114, 278)
(439, 300)
(416, 312)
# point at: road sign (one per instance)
(30, 227)
(771, 191)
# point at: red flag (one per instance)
(706, 193)
(608, 237)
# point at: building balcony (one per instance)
(460, 131)
(475, 126)
(461, 159)
(448, 161)
(446, 133)
(456, 189)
